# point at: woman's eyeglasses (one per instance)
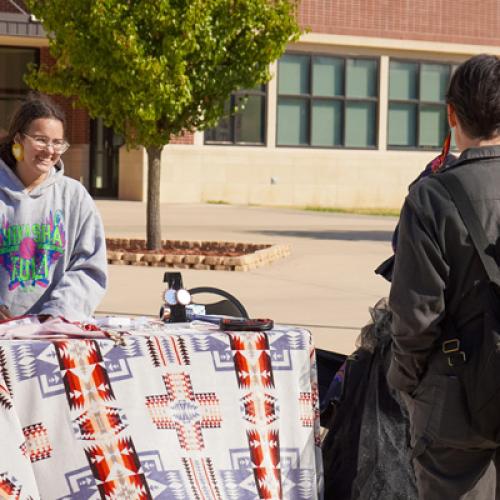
(41, 142)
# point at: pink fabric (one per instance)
(30, 327)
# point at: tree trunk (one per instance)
(153, 225)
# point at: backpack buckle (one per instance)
(456, 357)
(449, 346)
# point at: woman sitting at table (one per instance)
(52, 244)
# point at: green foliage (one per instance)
(151, 69)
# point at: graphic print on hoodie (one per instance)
(28, 251)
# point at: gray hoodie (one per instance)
(52, 247)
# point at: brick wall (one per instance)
(6, 6)
(186, 138)
(77, 119)
(78, 124)
(461, 21)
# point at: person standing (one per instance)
(52, 244)
(438, 281)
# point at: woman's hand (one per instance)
(5, 312)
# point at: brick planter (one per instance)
(203, 255)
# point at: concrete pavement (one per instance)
(326, 285)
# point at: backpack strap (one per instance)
(472, 223)
(451, 344)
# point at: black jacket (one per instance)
(438, 277)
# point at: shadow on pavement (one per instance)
(331, 235)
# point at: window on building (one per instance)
(246, 126)
(13, 65)
(417, 109)
(327, 101)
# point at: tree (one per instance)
(154, 69)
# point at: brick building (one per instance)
(354, 111)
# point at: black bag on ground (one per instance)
(478, 366)
(328, 364)
(366, 454)
(341, 444)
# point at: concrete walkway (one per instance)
(327, 284)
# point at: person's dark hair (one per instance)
(474, 93)
(34, 107)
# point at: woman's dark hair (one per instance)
(474, 93)
(34, 107)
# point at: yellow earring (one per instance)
(18, 151)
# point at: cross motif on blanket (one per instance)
(183, 410)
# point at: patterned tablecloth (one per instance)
(175, 412)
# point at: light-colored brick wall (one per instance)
(461, 21)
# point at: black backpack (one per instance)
(478, 368)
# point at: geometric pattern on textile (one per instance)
(116, 357)
(39, 360)
(163, 484)
(257, 405)
(168, 351)
(281, 343)
(117, 470)
(265, 416)
(5, 386)
(90, 423)
(183, 410)
(265, 457)
(254, 373)
(239, 483)
(217, 344)
(252, 361)
(112, 458)
(307, 408)
(37, 442)
(81, 485)
(298, 483)
(309, 401)
(84, 375)
(9, 487)
(201, 475)
(24, 450)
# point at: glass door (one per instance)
(104, 157)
